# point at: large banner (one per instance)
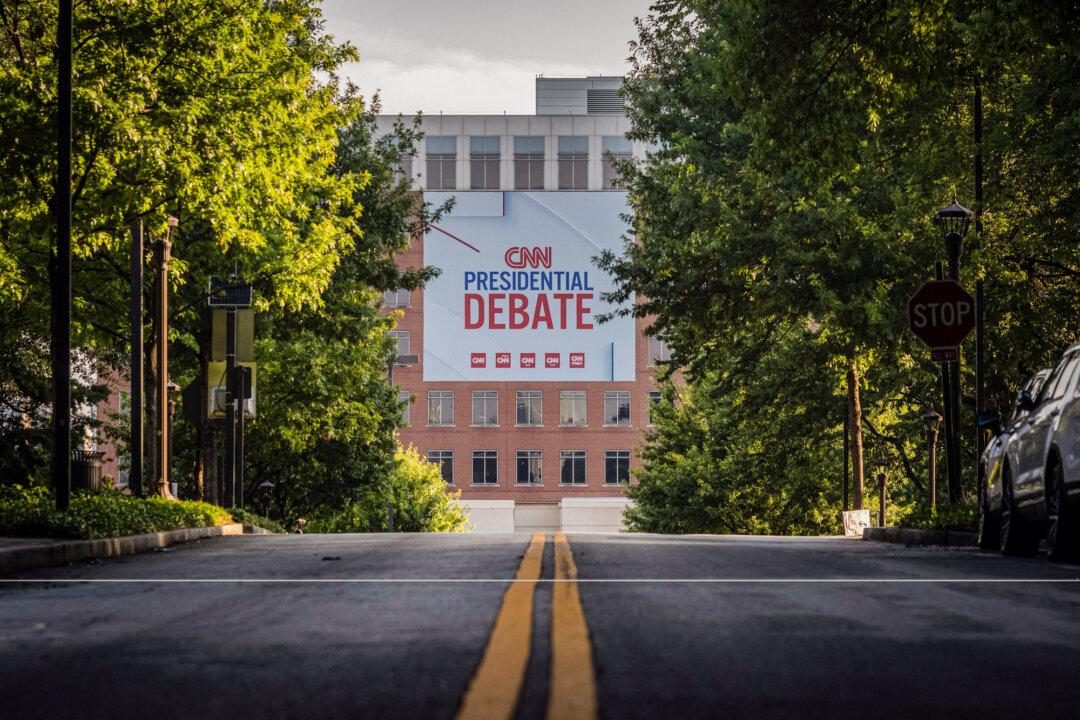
(519, 294)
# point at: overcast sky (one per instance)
(478, 56)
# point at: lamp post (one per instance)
(265, 489)
(880, 464)
(931, 422)
(953, 220)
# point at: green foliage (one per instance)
(106, 513)
(956, 517)
(418, 493)
(225, 115)
(247, 517)
(784, 220)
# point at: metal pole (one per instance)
(242, 392)
(162, 249)
(137, 417)
(931, 441)
(389, 517)
(881, 499)
(955, 481)
(230, 408)
(61, 269)
(980, 338)
(980, 398)
(946, 392)
(847, 454)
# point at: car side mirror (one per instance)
(1024, 401)
(989, 421)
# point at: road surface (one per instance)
(626, 626)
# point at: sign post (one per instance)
(941, 314)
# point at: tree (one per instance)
(415, 490)
(213, 112)
(802, 151)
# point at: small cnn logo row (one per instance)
(527, 360)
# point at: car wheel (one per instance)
(989, 532)
(1017, 538)
(1060, 528)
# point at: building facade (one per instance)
(533, 408)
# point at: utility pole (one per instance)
(980, 300)
(162, 250)
(61, 268)
(136, 418)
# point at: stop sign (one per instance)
(941, 313)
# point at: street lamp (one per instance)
(931, 422)
(953, 220)
(265, 488)
(880, 464)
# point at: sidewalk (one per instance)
(18, 553)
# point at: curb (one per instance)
(912, 536)
(62, 553)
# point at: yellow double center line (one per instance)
(496, 686)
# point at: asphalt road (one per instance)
(653, 627)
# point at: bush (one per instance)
(99, 514)
(952, 517)
(418, 492)
(245, 516)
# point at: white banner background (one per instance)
(577, 226)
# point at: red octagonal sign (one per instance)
(941, 313)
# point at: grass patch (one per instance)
(951, 517)
(31, 512)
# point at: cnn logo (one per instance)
(521, 257)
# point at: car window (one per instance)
(1032, 385)
(1064, 381)
(1048, 388)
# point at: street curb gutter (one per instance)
(913, 536)
(61, 553)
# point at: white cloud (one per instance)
(458, 83)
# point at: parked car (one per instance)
(1041, 472)
(989, 536)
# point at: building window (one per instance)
(528, 467)
(403, 339)
(485, 467)
(615, 148)
(654, 398)
(528, 162)
(396, 298)
(617, 407)
(530, 407)
(485, 407)
(572, 467)
(441, 162)
(658, 351)
(484, 162)
(440, 407)
(573, 162)
(572, 407)
(405, 398)
(616, 467)
(445, 460)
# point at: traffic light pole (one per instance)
(230, 408)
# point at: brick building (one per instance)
(533, 408)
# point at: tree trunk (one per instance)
(855, 412)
